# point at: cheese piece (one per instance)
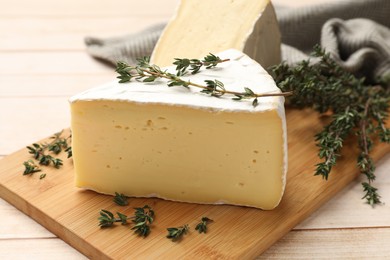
(149, 140)
(203, 26)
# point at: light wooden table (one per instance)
(43, 62)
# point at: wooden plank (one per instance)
(348, 210)
(19, 226)
(52, 248)
(60, 33)
(51, 112)
(65, 63)
(300, 3)
(53, 33)
(50, 85)
(344, 244)
(370, 243)
(89, 8)
(71, 213)
(86, 8)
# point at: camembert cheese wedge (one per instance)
(150, 140)
(203, 26)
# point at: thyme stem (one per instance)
(215, 88)
(170, 77)
(363, 126)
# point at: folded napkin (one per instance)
(355, 32)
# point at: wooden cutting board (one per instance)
(236, 233)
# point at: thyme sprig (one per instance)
(177, 233)
(146, 72)
(202, 225)
(358, 109)
(107, 218)
(38, 152)
(142, 219)
(210, 61)
(58, 144)
(43, 153)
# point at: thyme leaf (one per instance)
(177, 233)
(120, 199)
(30, 167)
(202, 225)
(69, 151)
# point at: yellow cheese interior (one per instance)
(181, 154)
(203, 26)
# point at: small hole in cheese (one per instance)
(149, 123)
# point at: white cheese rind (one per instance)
(202, 26)
(239, 72)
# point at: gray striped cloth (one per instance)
(355, 32)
